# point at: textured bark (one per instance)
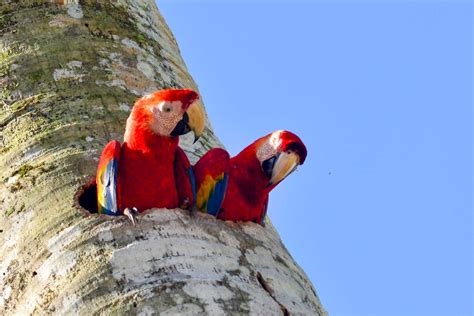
(69, 74)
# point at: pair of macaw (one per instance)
(150, 170)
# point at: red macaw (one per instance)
(238, 188)
(149, 169)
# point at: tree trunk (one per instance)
(69, 74)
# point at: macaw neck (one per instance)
(246, 165)
(144, 139)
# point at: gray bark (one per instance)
(69, 74)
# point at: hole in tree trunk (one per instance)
(86, 198)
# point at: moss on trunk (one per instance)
(69, 74)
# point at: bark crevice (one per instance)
(269, 290)
(69, 75)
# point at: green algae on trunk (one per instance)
(69, 74)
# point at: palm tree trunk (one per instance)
(69, 74)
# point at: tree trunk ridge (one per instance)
(70, 72)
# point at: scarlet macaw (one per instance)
(149, 169)
(247, 178)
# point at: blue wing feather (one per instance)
(216, 197)
(107, 179)
(192, 180)
(110, 189)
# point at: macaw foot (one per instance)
(131, 214)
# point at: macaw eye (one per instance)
(167, 109)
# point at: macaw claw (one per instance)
(131, 214)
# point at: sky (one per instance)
(380, 214)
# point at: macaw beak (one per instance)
(182, 127)
(197, 119)
(281, 166)
(193, 119)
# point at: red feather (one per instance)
(246, 190)
(185, 186)
(146, 172)
(291, 141)
(247, 193)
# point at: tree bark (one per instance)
(69, 73)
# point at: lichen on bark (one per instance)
(69, 74)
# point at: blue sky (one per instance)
(380, 214)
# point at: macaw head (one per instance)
(279, 154)
(170, 112)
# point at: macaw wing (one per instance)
(185, 183)
(107, 179)
(212, 173)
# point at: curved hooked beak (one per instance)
(193, 120)
(281, 166)
(197, 119)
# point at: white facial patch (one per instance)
(177, 105)
(167, 114)
(168, 107)
(158, 107)
(271, 147)
(275, 140)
